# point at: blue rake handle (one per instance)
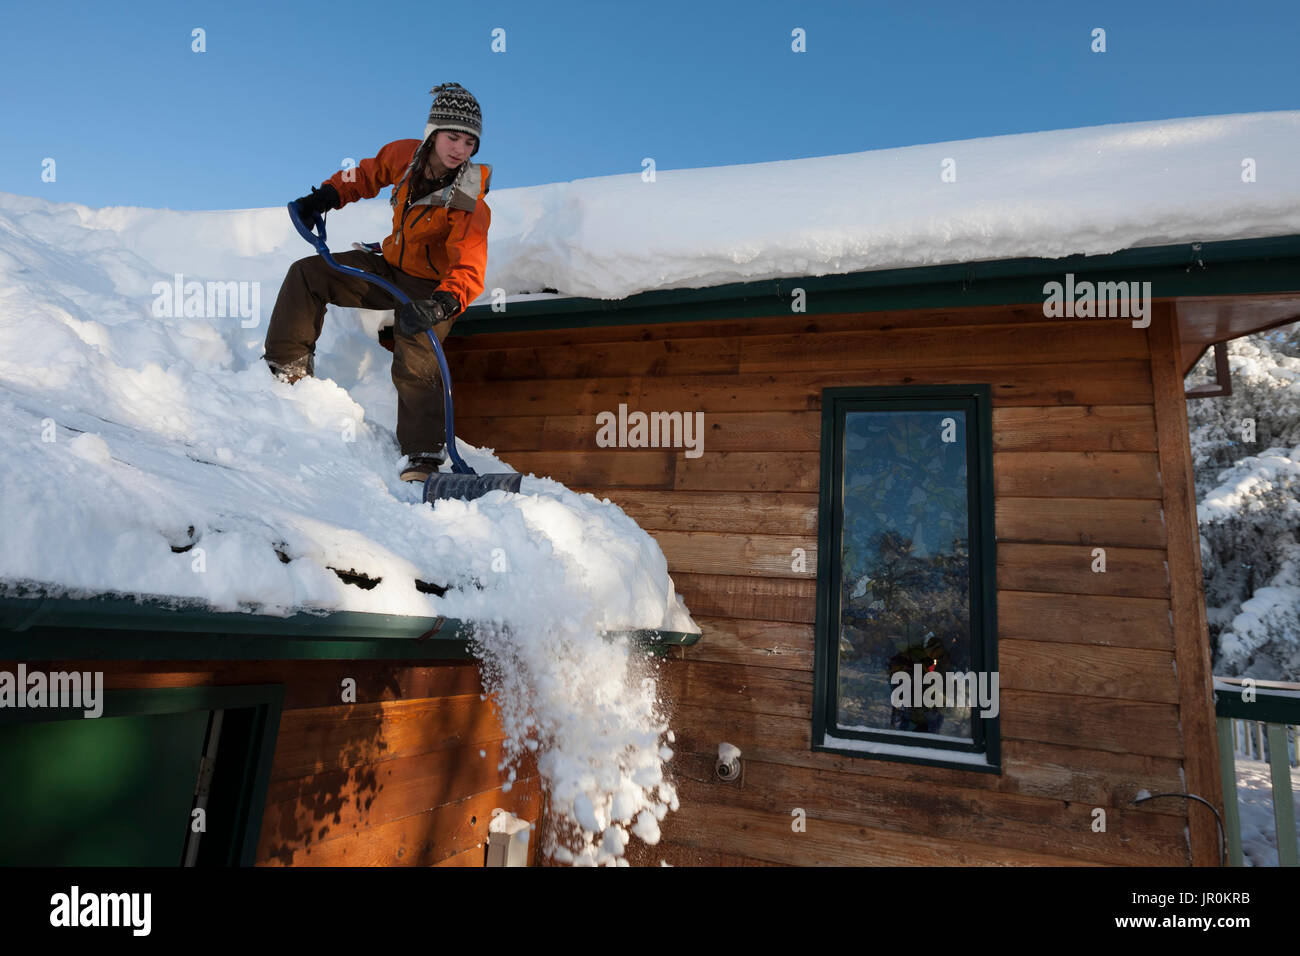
(458, 465)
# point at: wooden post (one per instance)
(1228, 771)
(1279, 768)
(1186, 586)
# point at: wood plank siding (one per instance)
(406, 776)
(1084, 448)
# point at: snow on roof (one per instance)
(1091, 191)
(136, 426)
(159, 423)
(127, 425)
(1088, 191)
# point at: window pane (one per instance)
(905, 567)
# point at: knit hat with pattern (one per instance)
(454, 107)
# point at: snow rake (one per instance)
(462, 481)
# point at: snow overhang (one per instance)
(128, 627)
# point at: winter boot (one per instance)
(419, 467)
(292, 371)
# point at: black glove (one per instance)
(322, 199)
(416, 317)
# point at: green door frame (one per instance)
(242, 773)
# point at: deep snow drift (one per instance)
(128, 424)
(125, 429)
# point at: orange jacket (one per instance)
(429, 239)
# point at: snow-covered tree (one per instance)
(1246, 456)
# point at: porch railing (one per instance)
(1263, 729)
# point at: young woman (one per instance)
(436, 254)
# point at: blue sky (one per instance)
(286, 90)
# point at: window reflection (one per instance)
(905, 567)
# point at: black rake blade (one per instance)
(442, 486)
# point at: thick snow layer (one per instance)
(133, 428)
(1090, 191)
(126, 428)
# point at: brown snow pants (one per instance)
(299, 315)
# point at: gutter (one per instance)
(122, 627)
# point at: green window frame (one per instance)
(978, 750)
(223, 737)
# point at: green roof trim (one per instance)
(1275, 702)
(41, 627)
(1228, 267)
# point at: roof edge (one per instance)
(1182, 269)
(44, 627)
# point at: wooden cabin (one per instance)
(351, 738)
(1068, 561)
(344, 739)
(865, 483)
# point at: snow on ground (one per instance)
(1255, 801)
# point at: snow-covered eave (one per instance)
(1229, 267)
(42, 626)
